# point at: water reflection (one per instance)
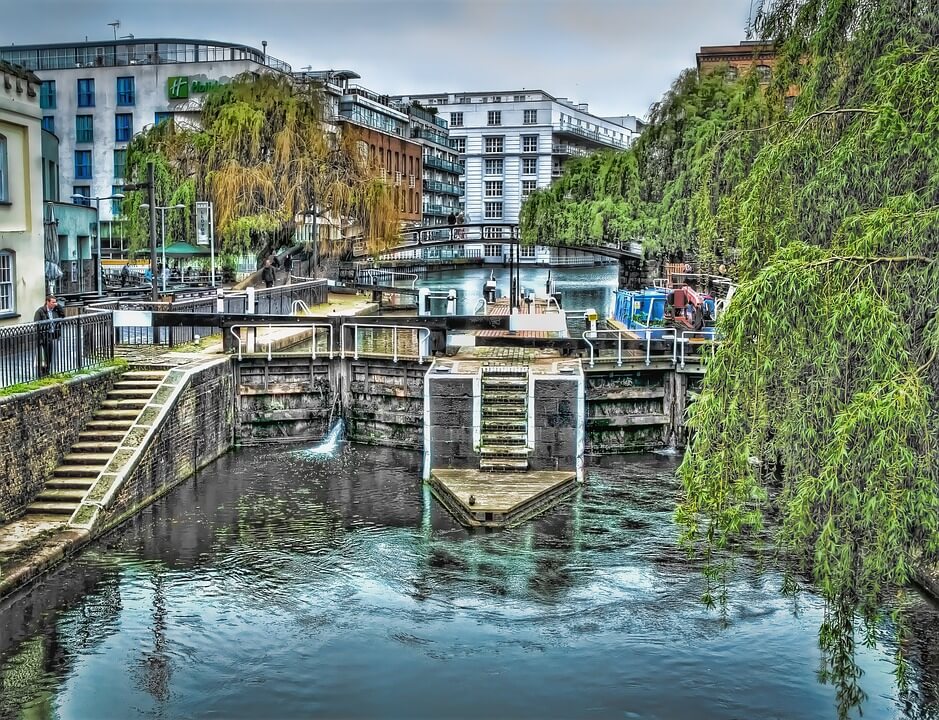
(284, 585)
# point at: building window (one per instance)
(84, 128)
(47, 95)
(86, 92)
(116, 204)
(161, 117)
(528, 187)
(494, 144)
(6, 282)
(493, 167)
(493, 210)
(529, 143)
(456, 119)
(529, 166)
(126, 94)
(526, 251)
(764, 73)
(83, 164)
(48, 123)
(459, 144)
(85, 192)
(120, 163)
(4, 171)
(492, 250)
(494, 117)
(530, 117)
(730, 73)
(518, 98)
(123, 127)
(493, 188)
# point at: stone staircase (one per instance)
(504, 436)
(96, 443)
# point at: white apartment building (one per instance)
(512, 142)
(95, 96)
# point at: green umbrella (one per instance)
(182, 249)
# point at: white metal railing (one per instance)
(298, 306)
(394, 339)
(480, 305)
(270, 340)
(681, 338)
(379, 276)
(588, 334)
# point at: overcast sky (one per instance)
(617, 55)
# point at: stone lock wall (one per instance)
(198, 428)
(555, 414)
(451, 423)
(38, 428)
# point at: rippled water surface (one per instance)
(282, 584)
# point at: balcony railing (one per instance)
(417, 112)
(440, 164)
(592, 135)
(443, 210)
(566, 149)
(441, 187)
(435, 137)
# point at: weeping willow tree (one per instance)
(656, 191)
(819, 411)
(261, 151)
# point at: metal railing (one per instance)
(32, 350)
(619, 334)
(684, 337)
(387, 278)
(423, 336)
(251, 339)
(278, 300)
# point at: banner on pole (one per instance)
(203, 223)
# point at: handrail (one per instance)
(683, 338)
(298, 304)
(481, 302)
(379, 272)
(394, 339)
(270, 326)
(619, 344)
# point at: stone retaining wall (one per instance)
(37, 428)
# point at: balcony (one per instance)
(430, 117)
(442, 210)
(571, 150)
(432, 161)
(431, 136)
(441, 187)
(593, 136)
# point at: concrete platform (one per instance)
(501, 499)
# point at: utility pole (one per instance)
(151, 196)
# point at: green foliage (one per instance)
(261, 152)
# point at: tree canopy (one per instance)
(262, 152)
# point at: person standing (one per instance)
(288, 266)
(125, 274)
(47, 333)
(267, 274)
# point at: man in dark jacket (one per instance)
(267, 274)
(47, 333)
(288, 266)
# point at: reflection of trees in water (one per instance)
(73, 612)
(921, 648)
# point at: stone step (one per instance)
(107, 414)
(504, 424)
(85, 458)
(103, 445)
(143, 375)
(51, 508)
(102, 427)
(507, 451)
(63, 483)
(504, 398)
(73, 495)
(489, 439)
(137, 404)
(75, 471)
(505, 411)
(505, 382)
(132, 393)
(503, 465)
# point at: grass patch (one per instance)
(85, 515)
(202, 343)
(61, 378)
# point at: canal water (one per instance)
(580, 287)
(282, 584)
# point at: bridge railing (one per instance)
(621, 346)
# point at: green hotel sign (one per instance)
(180, 87)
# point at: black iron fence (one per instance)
(33, 350)
(290, 299)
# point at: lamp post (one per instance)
(115, 196)
(163, 209)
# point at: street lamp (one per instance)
(115, 196)
(163, 209)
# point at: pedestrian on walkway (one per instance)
(125, 274)
(267, 274)
(47, 333)
(288, 266)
